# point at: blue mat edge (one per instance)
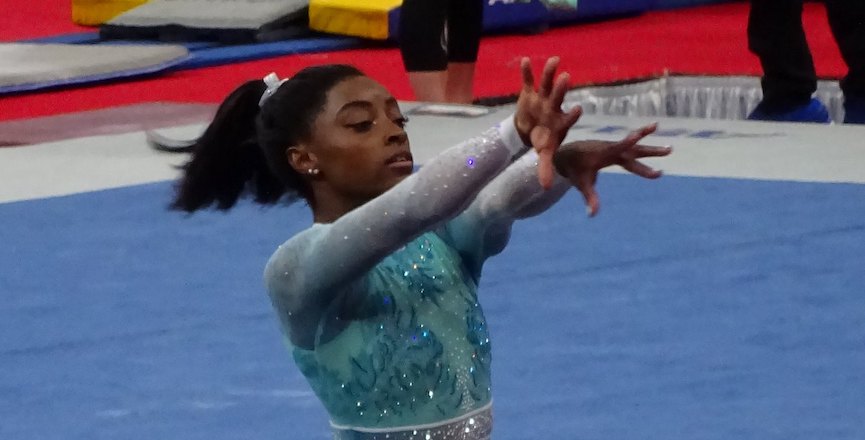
(163, 182)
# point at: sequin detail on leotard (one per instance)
(380, 307)
(477, 425)
(414, 349)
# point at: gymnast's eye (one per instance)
(362, 127)
(401, 121)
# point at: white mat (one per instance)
(32, 66)
(705, 148)
(210, 14)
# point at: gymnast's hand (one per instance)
(581, 161)
(539, 119)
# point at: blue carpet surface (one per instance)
(691, 308)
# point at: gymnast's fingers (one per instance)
(641, 169)
(557, 95)
(548, 76)
(585, 183)
(651, 151)
(528, 77)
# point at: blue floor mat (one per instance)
(691, 308)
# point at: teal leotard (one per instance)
(380, 308)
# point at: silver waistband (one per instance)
(476, 425)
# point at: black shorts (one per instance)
(433, 33)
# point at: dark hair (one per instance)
(243, 149)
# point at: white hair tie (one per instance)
(272, 82)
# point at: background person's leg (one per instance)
(847, 20)
(422, 24)
(465, 26)
(776, 36)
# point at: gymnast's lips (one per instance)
(403, 159)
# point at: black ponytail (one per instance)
(243, 151)
(226, 159)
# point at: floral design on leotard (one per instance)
(415, 349)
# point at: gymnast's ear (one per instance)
(301, 159)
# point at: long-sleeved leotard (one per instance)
(380, 307)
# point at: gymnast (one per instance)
(377, 299)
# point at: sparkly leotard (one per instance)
(380, 307)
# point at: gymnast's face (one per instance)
(358, 141)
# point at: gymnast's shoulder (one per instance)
(285, 270)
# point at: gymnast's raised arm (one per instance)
(335, 138)
(354, 242)
(483, 229)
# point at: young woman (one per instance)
(378, 297)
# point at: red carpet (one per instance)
(37, 18)
(706, 40)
